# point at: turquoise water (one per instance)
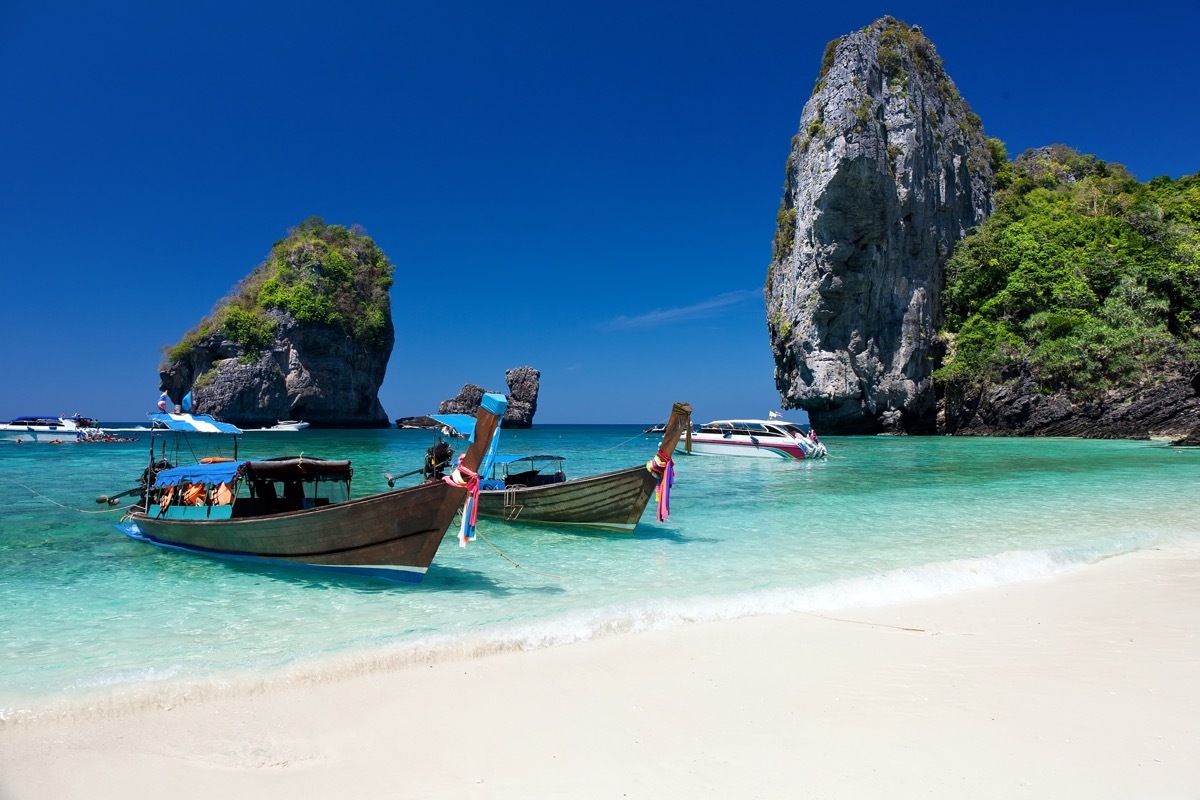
(90, 620)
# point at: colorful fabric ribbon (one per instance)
(662, 467)
(471, 509)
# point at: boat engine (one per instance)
(437, 459)
(151, 472)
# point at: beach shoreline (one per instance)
(1082, 685)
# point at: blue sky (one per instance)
(588, 189)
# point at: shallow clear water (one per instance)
(87, 615)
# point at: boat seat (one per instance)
(251, 507)
(546, 480)
(527, 478)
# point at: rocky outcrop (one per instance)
(522, 398)
(310, 371)
(1192, 439)
(306, 335)
(422, 422)
(467, 401)
(1019, 408)
(890, 169)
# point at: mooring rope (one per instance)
(514, 563)
(627, 441)
(62, 505)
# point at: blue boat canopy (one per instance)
(192, 423)
(220, 472)
(460, 423)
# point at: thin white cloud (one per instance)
(668, 316)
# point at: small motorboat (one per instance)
(761, 438)
(47, 428)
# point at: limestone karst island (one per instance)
(920, 283)
(307, 335)
(923, 283)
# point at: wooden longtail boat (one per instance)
(611, 501)
(243, 515)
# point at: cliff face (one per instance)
(1168, 409)
(890, 169)
(307, 336)
(523, 385)
(522, 398)
(310, 371)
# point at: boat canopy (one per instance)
(750, 425)
(298, 468)
(192, 423)
(508, 459)
(218, 472)
(460, 423)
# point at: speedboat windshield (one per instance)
(791, 428)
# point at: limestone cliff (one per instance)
(890, 169)
(1169, 408)
(306, 336)
(523, 385)
(522, 398)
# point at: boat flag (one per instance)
(774, 415)
(187, 403)
(162, 402)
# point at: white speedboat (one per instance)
(761, 438)
(47, 429)
(288, 425)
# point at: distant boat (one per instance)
(47, 428)
(534, 488)
(762, 438)
(282, 425)
(297, 511)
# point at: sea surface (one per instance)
(91, 621)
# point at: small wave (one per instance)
(923, 582)
(891, 587)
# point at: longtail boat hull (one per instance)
(393, 535)
(612, 501)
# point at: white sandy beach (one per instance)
(1082, 686)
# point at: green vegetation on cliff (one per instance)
(1087, 276)
(320, 273)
